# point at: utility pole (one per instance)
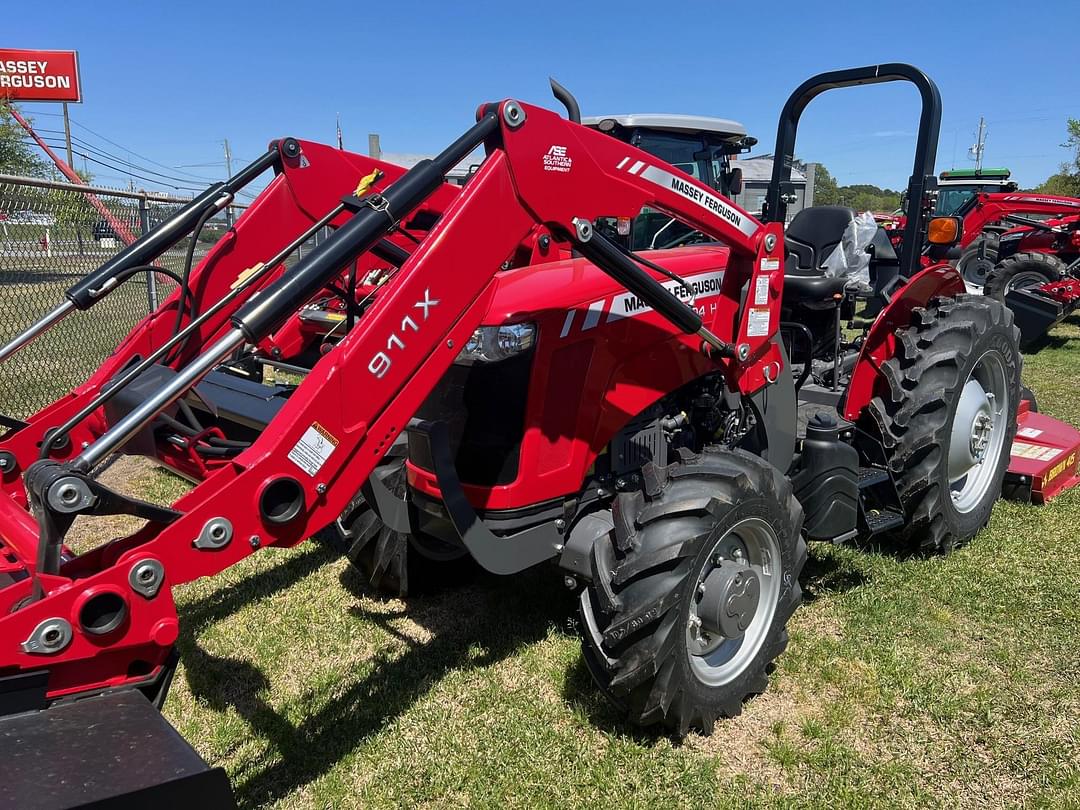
(980, 144)
(67, 137)
(228, 173)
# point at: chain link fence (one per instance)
(52, 234)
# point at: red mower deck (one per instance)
(1043, 460)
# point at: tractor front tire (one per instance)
(1023, 270)
(948, 419)
(392, 562)
(693, 589)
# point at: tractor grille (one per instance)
(483, 407)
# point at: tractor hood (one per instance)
(556, 289)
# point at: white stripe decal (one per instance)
(622, 162)
(710, 202)
(567, 324)
(592, 317)
(636, 167)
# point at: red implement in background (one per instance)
(1043, 459)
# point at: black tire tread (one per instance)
(1004, 271)
(632, 637)
(912, 421)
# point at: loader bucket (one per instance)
(110, 751)
(1035, 313)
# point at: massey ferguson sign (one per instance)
(39, 75)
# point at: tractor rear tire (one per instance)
(693, 588)
(946, 442)
(1023, 270)
(393, 562)
(978, 259)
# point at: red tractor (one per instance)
(1034, 253)
(987, 215)
(1037, 273)
(667, 428)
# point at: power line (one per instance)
(117, 158)
(121, 146)
(53, 141)
(126, 172)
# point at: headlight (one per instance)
(490, 344)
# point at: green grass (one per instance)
(948, 682)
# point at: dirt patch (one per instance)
(740, 746)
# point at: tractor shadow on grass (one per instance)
(473, 626)
(476, 625)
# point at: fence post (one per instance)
(151, 278)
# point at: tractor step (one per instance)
(885, 520)
(879, 505)
(104, 752)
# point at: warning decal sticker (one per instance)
(313, 449)
(757, 323)
(1034, 451)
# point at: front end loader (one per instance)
(661, 441)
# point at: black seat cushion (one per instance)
(811, 237)
(813, 287)
(815, 232)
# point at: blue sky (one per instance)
(170, 81)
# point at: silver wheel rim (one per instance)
(978, 432)
(716, 659)
(1024, 279)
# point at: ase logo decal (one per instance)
(556, 160)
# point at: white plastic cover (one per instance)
(850, 258)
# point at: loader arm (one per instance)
(107, 618)
(305, 193)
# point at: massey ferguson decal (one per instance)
(556, 160)
(628, 305)
(710, 202)
(1047, 200)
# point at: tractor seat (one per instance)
(811, 237)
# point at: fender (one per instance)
(880, 343)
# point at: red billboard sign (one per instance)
(39, 75)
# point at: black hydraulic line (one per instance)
(189, 260)
(134, 371)
(654, 266)
(85, 292)
(147, 268)
(606, 255)
(262, 315)
(239, 444)
(178, 426)
(189, 414)
(218, 452)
